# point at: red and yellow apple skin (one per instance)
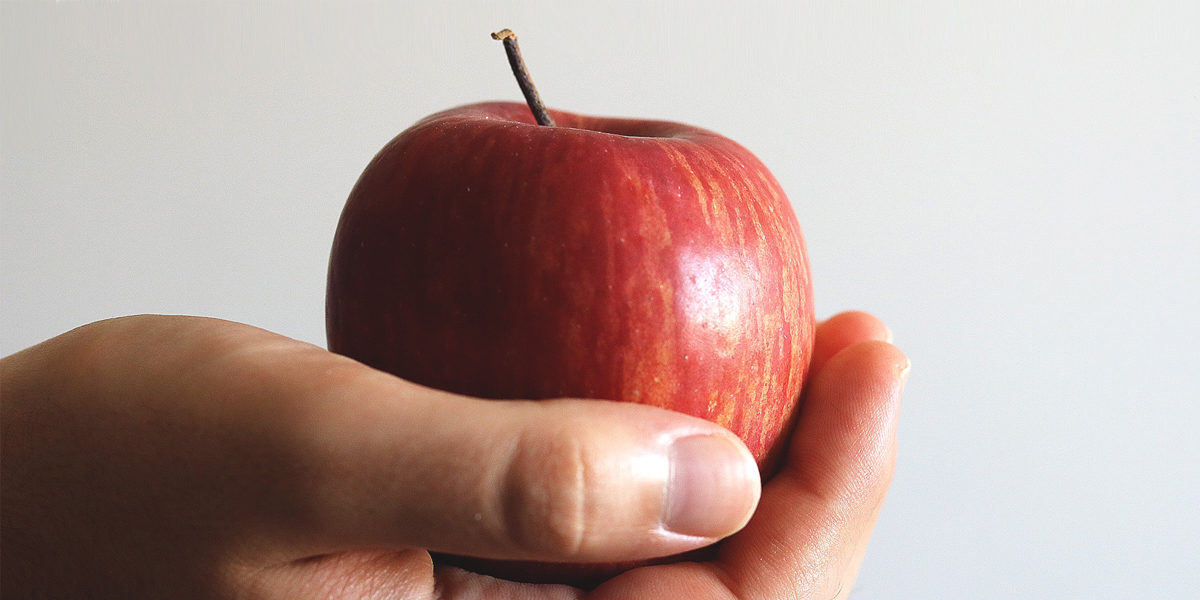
(617, 259)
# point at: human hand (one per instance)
(184, 457)
(167, 456)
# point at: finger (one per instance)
(842, 331)
(358, 575)
(455, 583)
(560, 480)
(367, 574)
(821, 508)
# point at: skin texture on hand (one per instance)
(150, 457)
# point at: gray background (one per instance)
(1014, 188)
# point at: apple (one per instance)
(632, 260)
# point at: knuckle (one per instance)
(546, 495)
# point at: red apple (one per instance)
(640, 261)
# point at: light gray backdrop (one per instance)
(1015, 189)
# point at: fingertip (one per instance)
(713, 487)
(874, 365)
(862, 322)
(844, 330)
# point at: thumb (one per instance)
(553, 480)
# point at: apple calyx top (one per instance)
(522, 74)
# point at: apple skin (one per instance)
(630, 260)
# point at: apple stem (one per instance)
(522, 74)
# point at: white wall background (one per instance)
(1015, 189)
